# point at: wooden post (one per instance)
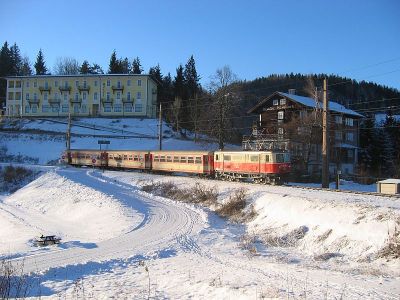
(325, 139)
(160, 129)
(69, 139)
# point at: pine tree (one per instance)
(114, 66)
(40, 66)
(16, 60)
(26, 69)
(125, 65)
(191, 78)
(179, 89)
(136, 66)
(6, 66)
(85, 68)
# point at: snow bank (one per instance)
(53, 204)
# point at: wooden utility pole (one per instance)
(325, 139)
(68, 137)
(160, 129)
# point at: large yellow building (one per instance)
(111, 95)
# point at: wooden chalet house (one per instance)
(294, 123)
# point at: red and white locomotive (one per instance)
(259, 166)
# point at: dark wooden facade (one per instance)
(294, 123)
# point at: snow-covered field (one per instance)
(123, 243)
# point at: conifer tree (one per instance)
(114, 67)
(40, 65)
(85, 68)
(26, 68)
(136, 66)
(16, 60)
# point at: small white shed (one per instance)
(389, 186)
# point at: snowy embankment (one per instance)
(52, 204)
(119, 240)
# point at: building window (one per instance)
(76, 108)
(18, 84)
(95, 96)
(46, 85)
(139, 95)
(76, 96)
(45, 108)
(107, 107)
(18, 96)
(27, 96)
(11, 84)
(118, 95)
(10, 96)
(139, 82)
(45, 96)
(76, 83)
(55, 108)
(108, 96)
(283, 101)
(119, 84)
(34, 108)
(65, 84)
(275, 102)
(280, 130)
(338, 119)
(84, 83)
(303, 114)
(108, 83)
(280, 115)
(95, 83)
(117, 108)
(27, 109)
(350, 136)
(34, 97)
(65, 108)
(138, 107)
(56, 83)
(27, 84)
(83, 109)
(350, 153)
(128, 96)
(128, 107)
(34, 85)
(56, 96)
(65, 98)
(128, 82)
(84, 95)
(349, 121)
(338, 135)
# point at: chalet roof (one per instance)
(306, 101)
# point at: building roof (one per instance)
(395, 181)
(309, 102)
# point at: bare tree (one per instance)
(66, 66)
(223, 99)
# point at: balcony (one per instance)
(76, 100)
(126, 100)
(83, 88)
(54, 100)
(117, 88)
(105, 100)
(65, 88)
(44, 89)
(33, 101)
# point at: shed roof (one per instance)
(309, 102)
(393, 180)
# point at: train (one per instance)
(269, 167)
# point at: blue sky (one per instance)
(357, 39)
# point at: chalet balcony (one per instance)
(65, 88)
(54, 100)
(44, 89)
(82, 88)
(117, 88)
